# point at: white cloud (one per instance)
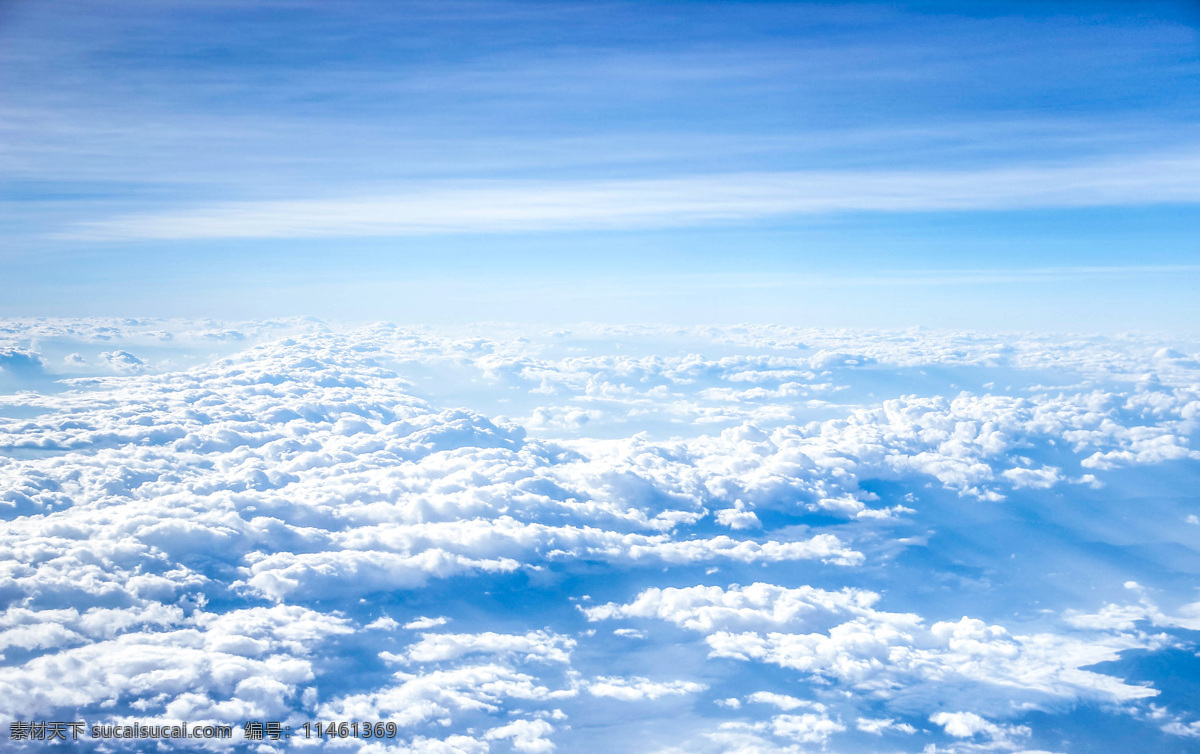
(319, 575)
(1042, 478)
(123, 361)
(805, 728)
(877, 726)
(637, 689)
(779, 733)
(417, 698)
(536, 645)
(1115, 617)
(712, 608)
(841, 637)
(969, 725)
(738, 518)
(783, 701)
(257, 656)
(526, 735)
(529, 205)
(152, 514)
(1185, 730)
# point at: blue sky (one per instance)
(1004, 165)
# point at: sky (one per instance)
(661, 377)
(998, 165)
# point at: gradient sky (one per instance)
(992, 164)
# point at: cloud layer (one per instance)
(765, 539)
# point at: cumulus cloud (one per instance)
(779, 733)
(637, 689)
(526, 735)
(877, 726)
(738, 517)
(256, 657)
(21, 363)
(309, 491)
(841, 637)
(968, 725)
(1185, 730)
(123, 361)
(383, 623)
(540, 646)
(416, 698)
(707, 609)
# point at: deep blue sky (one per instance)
(1003, 164)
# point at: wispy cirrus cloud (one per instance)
(525, 205)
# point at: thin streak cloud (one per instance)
(499, 206)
